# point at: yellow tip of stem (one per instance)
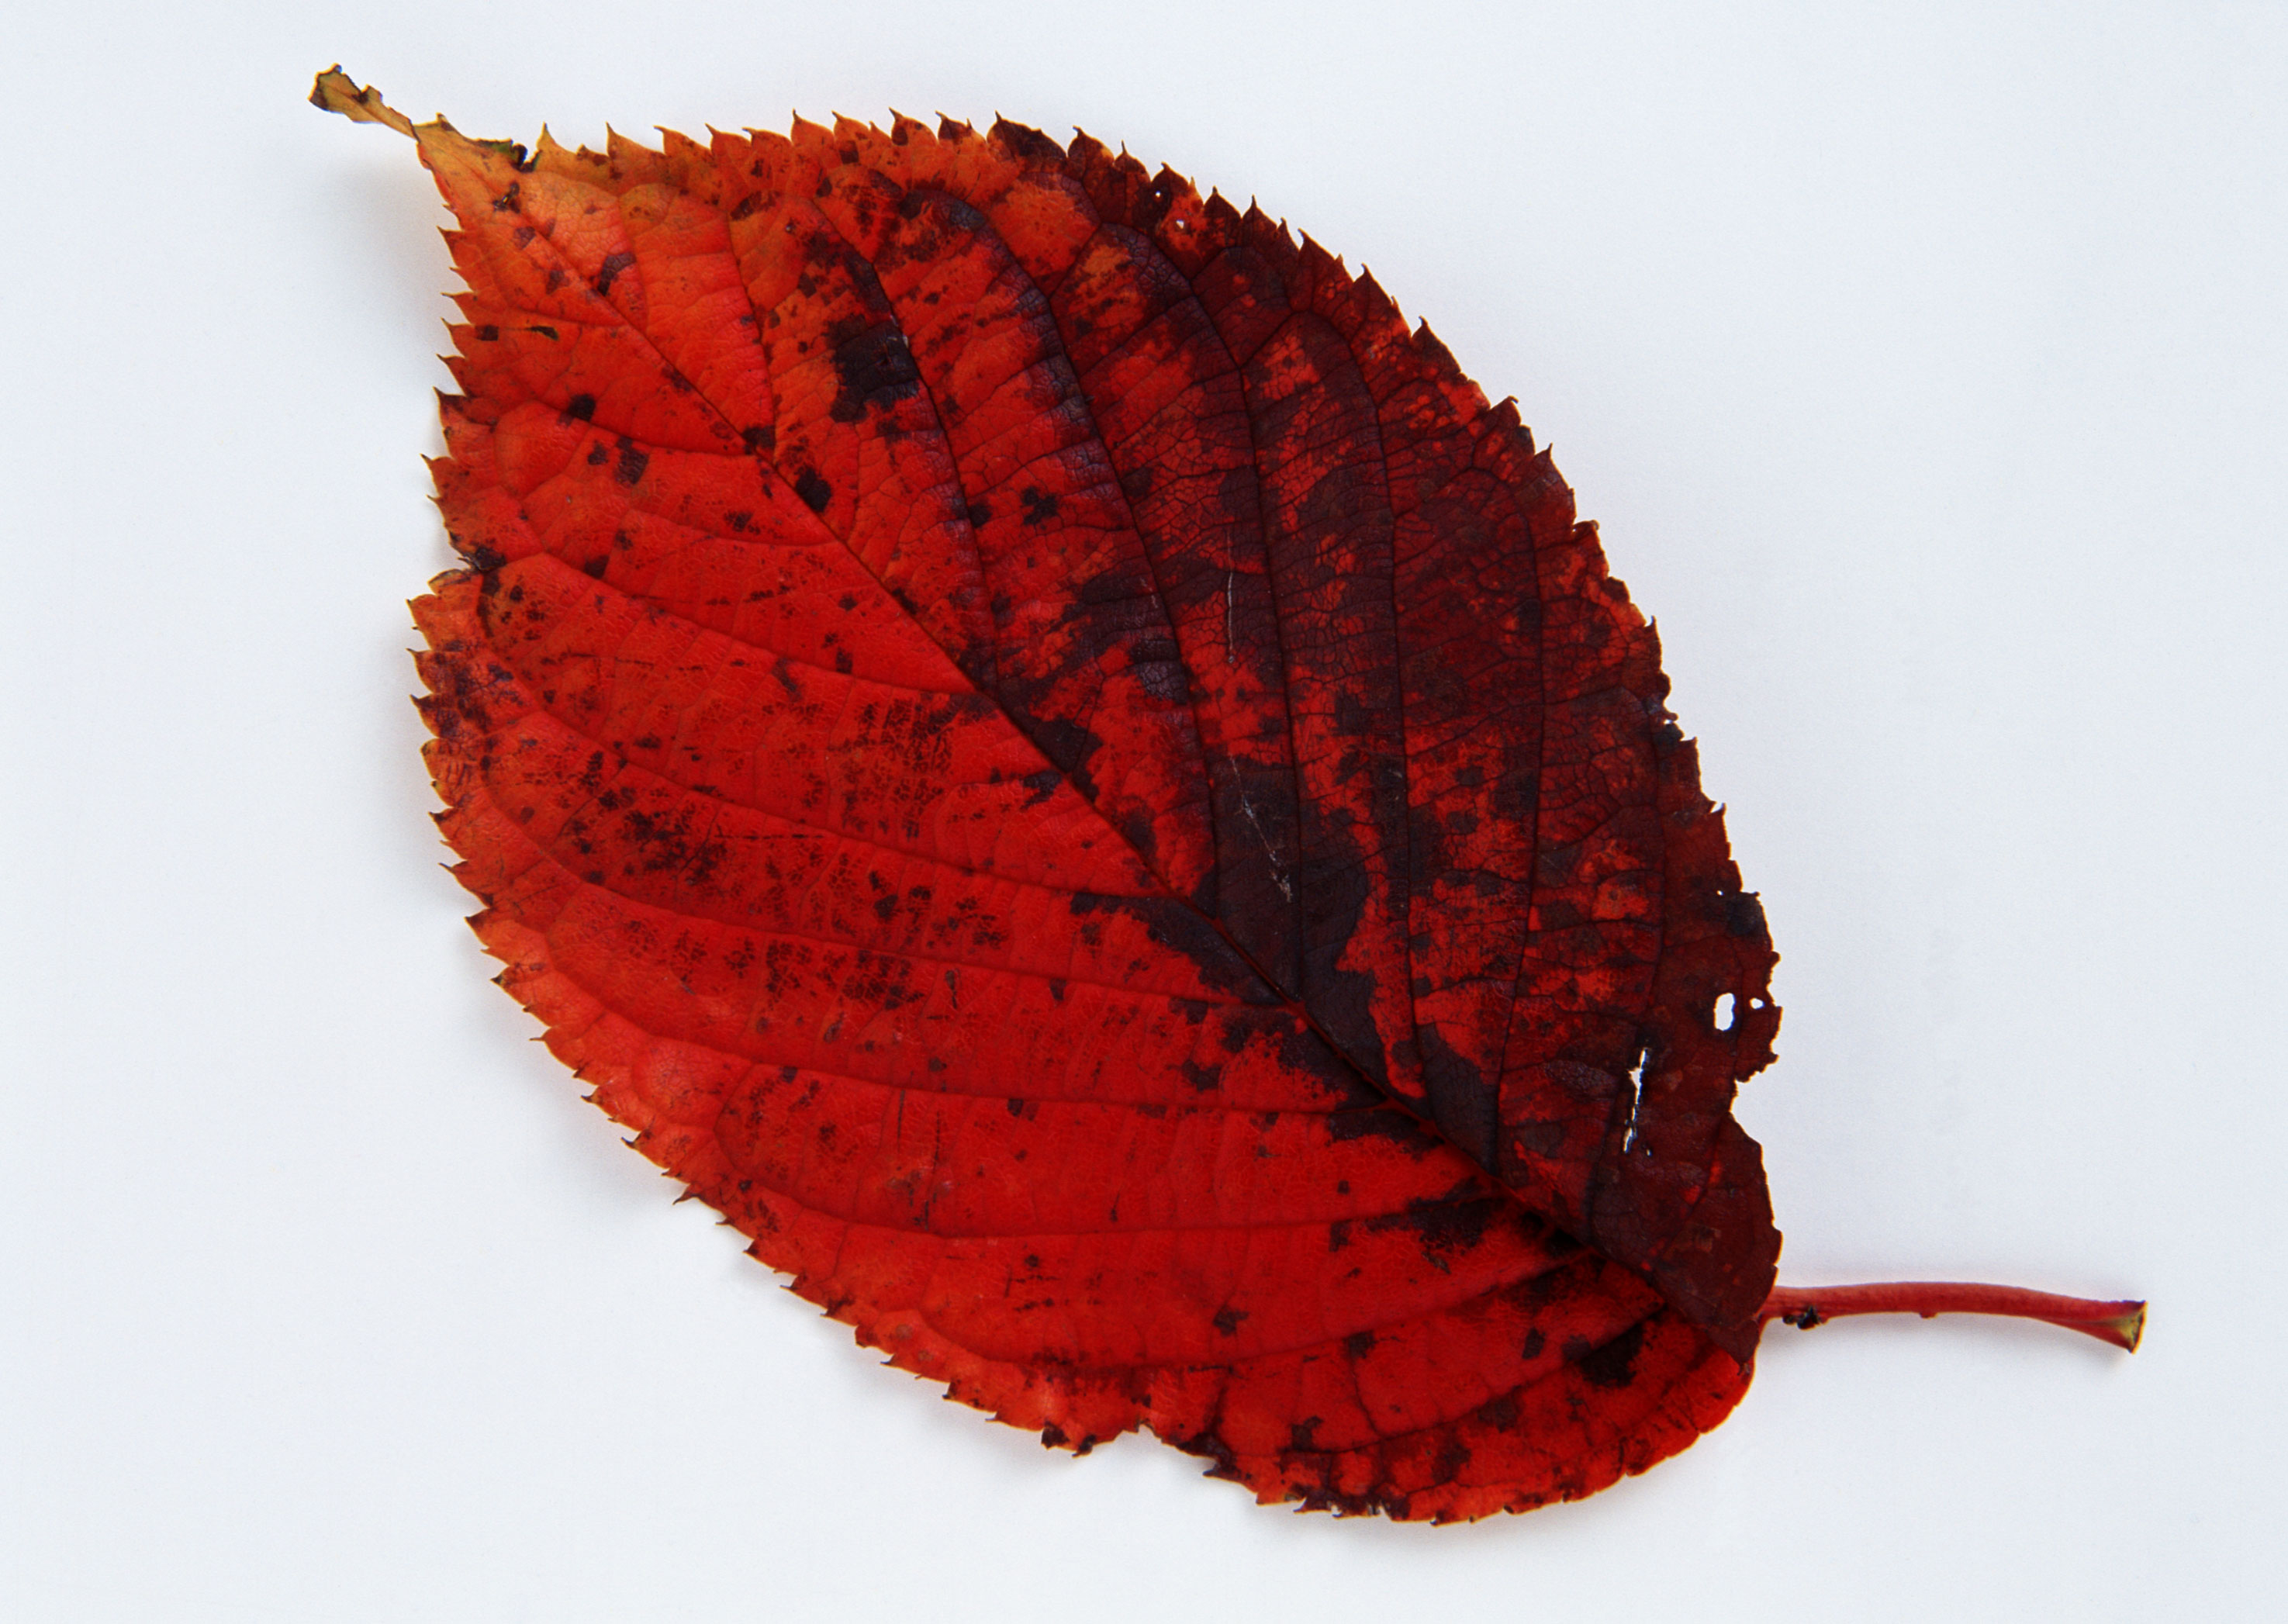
(337, 92)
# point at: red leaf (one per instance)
(1071, 776)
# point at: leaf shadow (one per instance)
(2022, 1338)
(387, 218)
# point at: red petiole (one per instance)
(1804, 1307)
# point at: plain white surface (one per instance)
(1925, 365)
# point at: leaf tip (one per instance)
(335, 92)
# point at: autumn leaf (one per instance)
(1067, 771)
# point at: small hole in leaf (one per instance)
(1723, 1013)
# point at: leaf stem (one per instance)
(1804, 1307)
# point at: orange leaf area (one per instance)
(1068, 772)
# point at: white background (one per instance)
(1925, 365)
